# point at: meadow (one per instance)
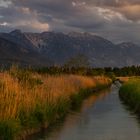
(30, 101)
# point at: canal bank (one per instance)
(101, 117)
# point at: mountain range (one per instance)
(71, 49)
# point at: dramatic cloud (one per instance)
(117, 20)
(5, 3)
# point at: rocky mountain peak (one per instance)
(128, 45)
(16, 32)
(61, 49)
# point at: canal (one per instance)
(102, 116)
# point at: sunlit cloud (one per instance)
(113, 19)
(4, 24)
(74, 3)
(34, 24)
(109, 14)
(131, 12)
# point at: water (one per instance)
(101, 117)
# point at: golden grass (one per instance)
(123, 79)
(28, 100)
(15, 95)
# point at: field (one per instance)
(29, 100)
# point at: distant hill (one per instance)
(72, 49)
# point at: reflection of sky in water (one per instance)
(101, 117)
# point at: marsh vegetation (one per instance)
(130, 94)
(29, 101)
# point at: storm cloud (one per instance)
(117, 20)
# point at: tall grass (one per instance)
(130, 94)
(29, 100)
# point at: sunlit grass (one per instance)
(123, 79)
(28, 100)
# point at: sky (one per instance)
(116, 20)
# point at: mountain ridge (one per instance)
(57, 48)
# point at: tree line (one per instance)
(124, 71)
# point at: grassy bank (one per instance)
(29, 101)
(130, 94)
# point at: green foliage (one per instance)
(50, 112)
(63, 106)
(130, 94)
(86, 70)
(9, 129)
(78, 66)
(23, 117)
(111, 75)
(39, 114)
(75, 100)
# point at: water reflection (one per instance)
(89, 102)
(101, 117)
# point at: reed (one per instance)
(29, 100)
(130, 94)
